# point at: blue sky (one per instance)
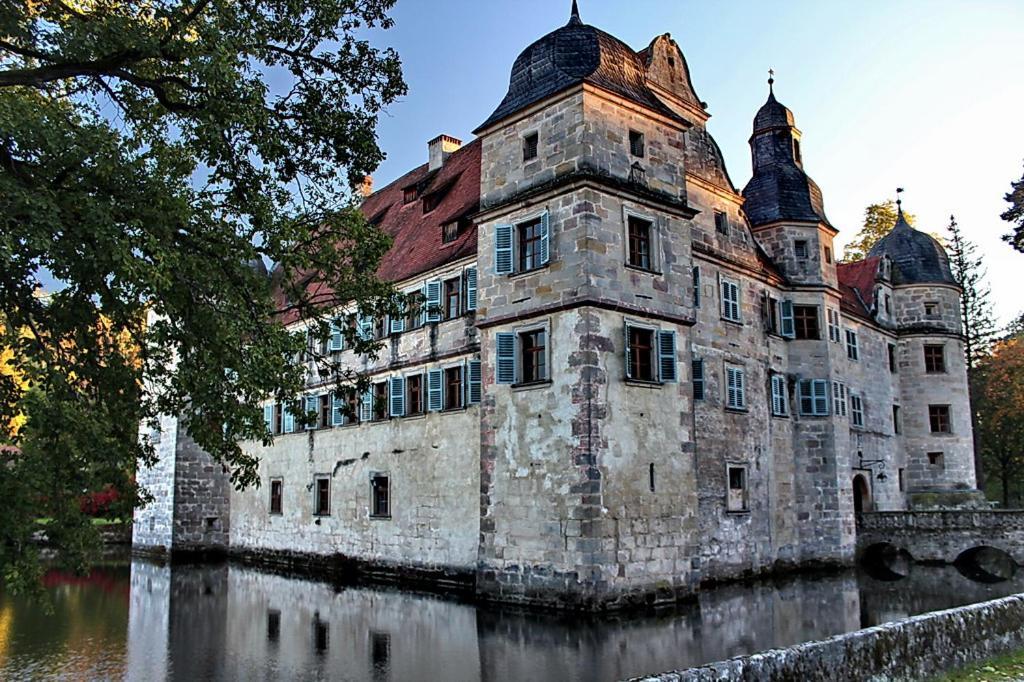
(922, 94)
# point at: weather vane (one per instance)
(771, 80)
(899, 191)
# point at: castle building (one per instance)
(629, 377)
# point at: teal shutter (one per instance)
(779, 406)
(545, 238)
(435, 384)
(506, 358)
(337, 341)
(397, 323)
(503, 249)
(470, 288)
(667, 356)
(268, 417)
(629, 356)
(337, 416)
(397, 397)
(474, 381)
(788, 327)
(288, 418)
(697, 368)
(364, 327)
(366, 408)
(433, 301)
(820, 387)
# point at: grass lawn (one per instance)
(1002, 669)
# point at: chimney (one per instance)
(440, 148)
(366, 188)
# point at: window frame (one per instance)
(447, 404)
(930, 365)
(839, 399)
(637, 141)
(418, 377)
(543, 255)
(743, 497)
(633, 352)
(818, 409)
(739, 389)
(937, 416)
(724, 283)
(451, 290)
(698, 377)
(530, 143)
(856, 411)
(801, 322)
(852, 345)
(521, 355)
(278, 482)
(779, 395)
(801, 249)
(721, 222)
(380, 411)
(318, 511)
(374, 509)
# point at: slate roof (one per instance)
(917, 257)
(783, 191)
(576, 53)
(772, 114)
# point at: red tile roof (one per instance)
(857, 284)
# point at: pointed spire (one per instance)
(899, 209)
(574, 18)
(771, 82)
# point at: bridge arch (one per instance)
(886, 562)
(986, 564)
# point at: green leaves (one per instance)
(1015, 215)
(149, 155)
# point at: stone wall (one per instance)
(202, 510)
(912, 649)
(944, 535)
(152, 529)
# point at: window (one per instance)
(273, 625)
(780, 402)
(639, 242)
(796, 152)
(380, 497)
(530, 143)
(936, 459)
(896, 426)
(276, 490)
(888, 304)
(452, 298)
(736, 496)
(696, 286)
(839, 398)
(380, 401)
(735, 391)
(522, 247)
(414, 389)
(721, 222)
(278, 418)
(636, 144)
(325, 411)
(892, 358)
(834, 333)
(533, 356)
(828, 255)
(449, 232)
(938, 418)
(730, 300)
(453, 388)
(650, 476)
(322, 496)
(857, 410)
(697, 367)
(903, 480)
(409, 194)
(805, 320)
(321, 635)
(432, 201)
(800, 246)
(640, 360)
(852, 349)
(814, 397)
(931, 309)
(934, 359)
(770, 313)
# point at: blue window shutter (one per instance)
(288, 419)
(311, 410)
(788, 328)
(366, 408)
(667, 356)
(337, 417)
(268, 417)
(474, 381)
(435, 382)
(506, 358)
(397, 323)
(820, 387)
(470, 288)
(433, 301)
(503, 249)
(741, 389)
(397, 397)
(545, 238)
(364, 326)
(337, 341)
(629, 356)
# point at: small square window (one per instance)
(931, 309)
(530, 143)
(322, 500)
(636, 144)
(934, 359)
(409, 194)
(736, 499)
(639, 242)
(276, 492)
(805, 319)
(936, 459)
(800, 246)
(449, 232)
(938, 418)
(380, 497)
(432, 201)
(533, 356)
(721, 222)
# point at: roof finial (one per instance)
(899, 206)
(574, 18)
(771, 81)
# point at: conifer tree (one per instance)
(1015, 215)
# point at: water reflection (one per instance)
(228, 622)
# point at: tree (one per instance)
(879, 219)
(979, 326)
(1015, 215)
(1001, 419)
(153, 156)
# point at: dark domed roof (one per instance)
(782, 191)
(772, 115)
(918, 257)
(574, 54)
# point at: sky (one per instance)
(927, 95)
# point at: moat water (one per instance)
(143, 621)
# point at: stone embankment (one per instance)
(911, 649)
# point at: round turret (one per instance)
(918, 257)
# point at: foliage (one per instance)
(979, 325)
(153, 156)
(1001, 416)
(1015, 215)
(879, 219)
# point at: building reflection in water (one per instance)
(229, 622)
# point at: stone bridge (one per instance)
(943, 536)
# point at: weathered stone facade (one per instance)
(712, 396)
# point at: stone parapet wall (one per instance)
(911, 649)
(944, 535)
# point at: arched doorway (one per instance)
(861, 494)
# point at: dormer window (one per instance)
(800, 246)
(410, 194)
(636, 144)
(721, 222)
(530, 144)
(431, 201)
(796, 151)
(449, 232)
